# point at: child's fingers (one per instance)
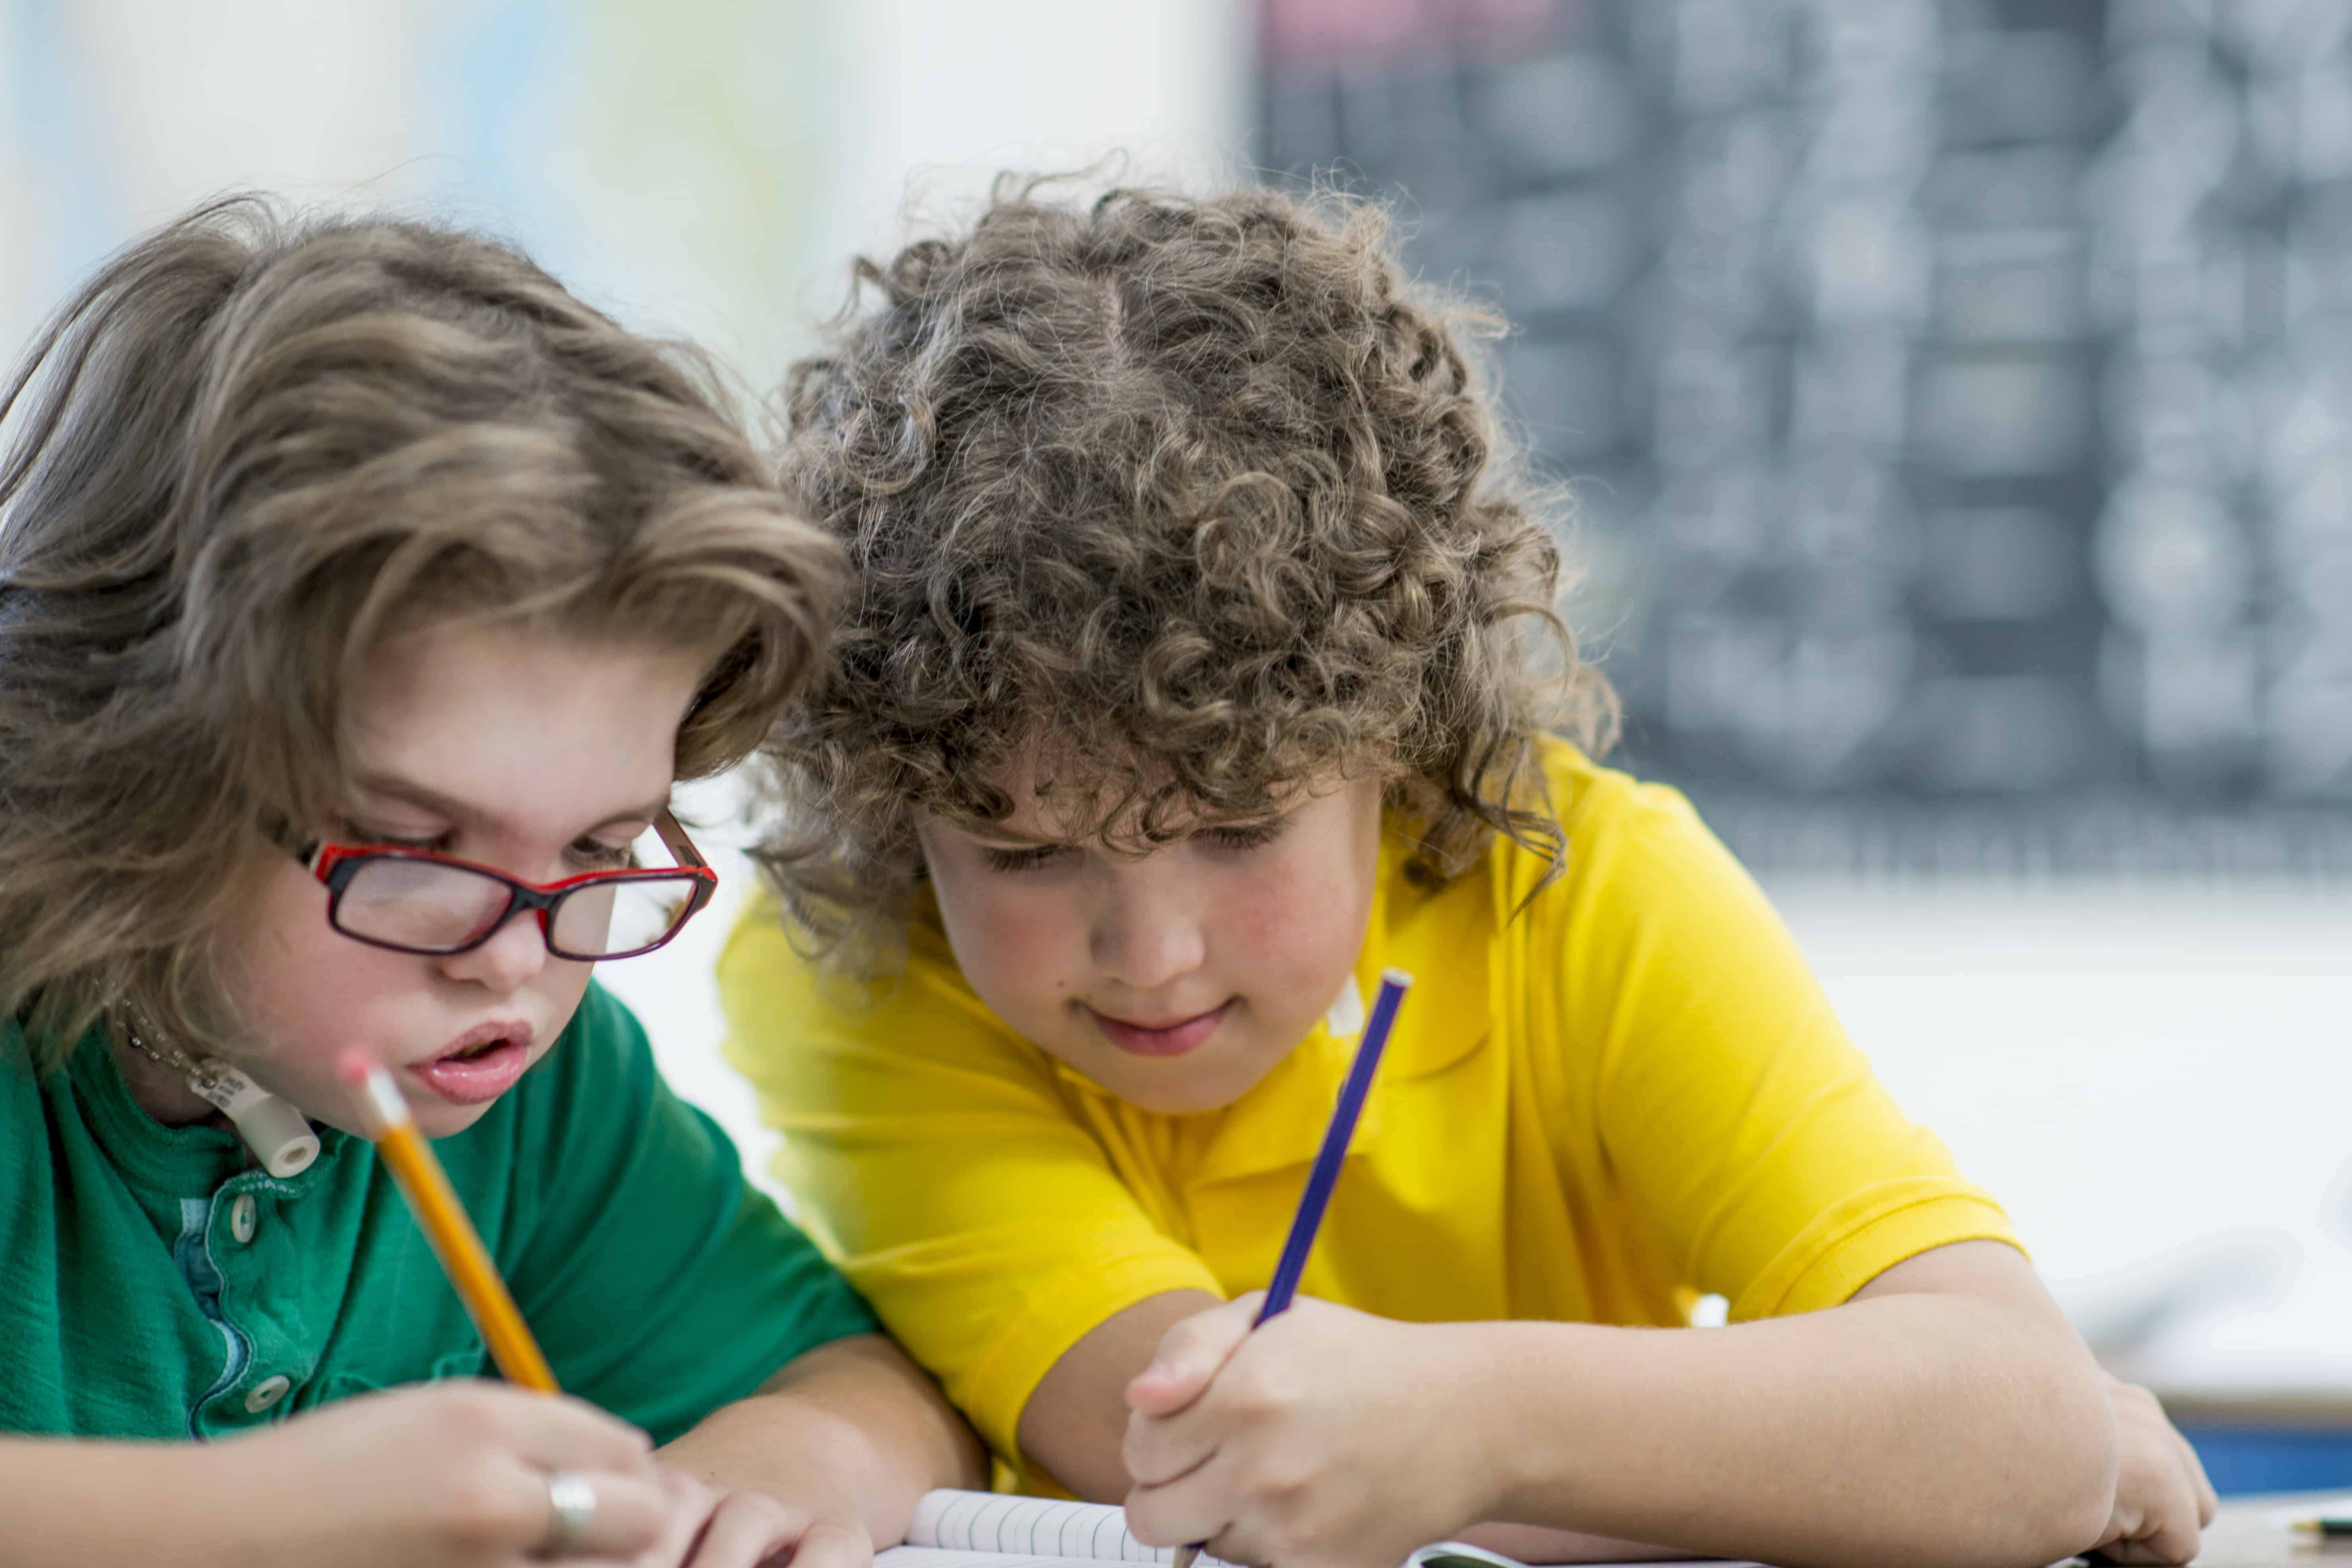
(740, 1530)
(1190, 1355)
(1159, 1449)
(630, 1515)
(2208, 1502)
(2135, 1554)
(1175, 1512)
(562, 1434)
(751, 1529)
(688, 1504)
(2167, 1531)
(2176, 1537)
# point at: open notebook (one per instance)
(987, 1529)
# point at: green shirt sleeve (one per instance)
(660, 1283)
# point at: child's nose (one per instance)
(514, 953)
(1144, 946)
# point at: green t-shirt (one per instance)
(155, 1282)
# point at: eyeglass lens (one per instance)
(428, 905)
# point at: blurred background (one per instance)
(1957, 394)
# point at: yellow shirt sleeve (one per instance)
(1703, 1062)
(940, 1167)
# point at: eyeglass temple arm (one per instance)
(281, 832)
(680, 845)
(674, 837)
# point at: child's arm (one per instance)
(1075, 1420)
(1947, 1411)
(453, 1476)
(842, 1442)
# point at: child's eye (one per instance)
(1245, 836)
(1024, 860)
(592, 855)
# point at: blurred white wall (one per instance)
(934, 98)
(704, 166)
(2151, 1076)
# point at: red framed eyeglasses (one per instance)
(421, 902)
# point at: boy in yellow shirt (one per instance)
(1202, 665)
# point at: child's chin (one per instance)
(445, 1121)
(434, 1118)
(1196, 1087)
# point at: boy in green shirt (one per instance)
(361, 596)
(161, 1284)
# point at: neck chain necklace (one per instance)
(277, 1132)
(203, 1076)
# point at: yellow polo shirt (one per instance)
(1593, 1109)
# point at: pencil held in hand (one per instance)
(1325, 1173)
(442, 1219)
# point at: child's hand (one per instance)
(2162, 1497)
(1325, 1440)
(438, 1477)
(711, 1529)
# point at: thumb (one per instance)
(1191, 1354)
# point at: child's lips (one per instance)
(496, 1064)
(1170, 1039)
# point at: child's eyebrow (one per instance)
(458, 811)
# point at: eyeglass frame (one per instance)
(334, 866)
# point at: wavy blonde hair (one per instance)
(1200, 491)
(249, 448)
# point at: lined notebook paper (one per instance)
(986, 1529)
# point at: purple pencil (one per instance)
(1325, 1174)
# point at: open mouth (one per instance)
(479, 1066)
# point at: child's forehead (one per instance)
(516, 724)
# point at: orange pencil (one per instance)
(442, 1219)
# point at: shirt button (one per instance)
(267, 1393)
(241, 1217)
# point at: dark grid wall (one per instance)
(1960, 393)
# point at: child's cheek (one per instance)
(1024, 953)
(1301, 924)
(1261, 923)
(1016, 944)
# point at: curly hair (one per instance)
(1203, 494)
(249, 449)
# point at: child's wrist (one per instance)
(1476, 1415)
(105, 1500)
(1517, 1407)
(203, 1509)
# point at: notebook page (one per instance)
(936, 1557)
(999, 1527)
(989, 1530)
(1459, 1554)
